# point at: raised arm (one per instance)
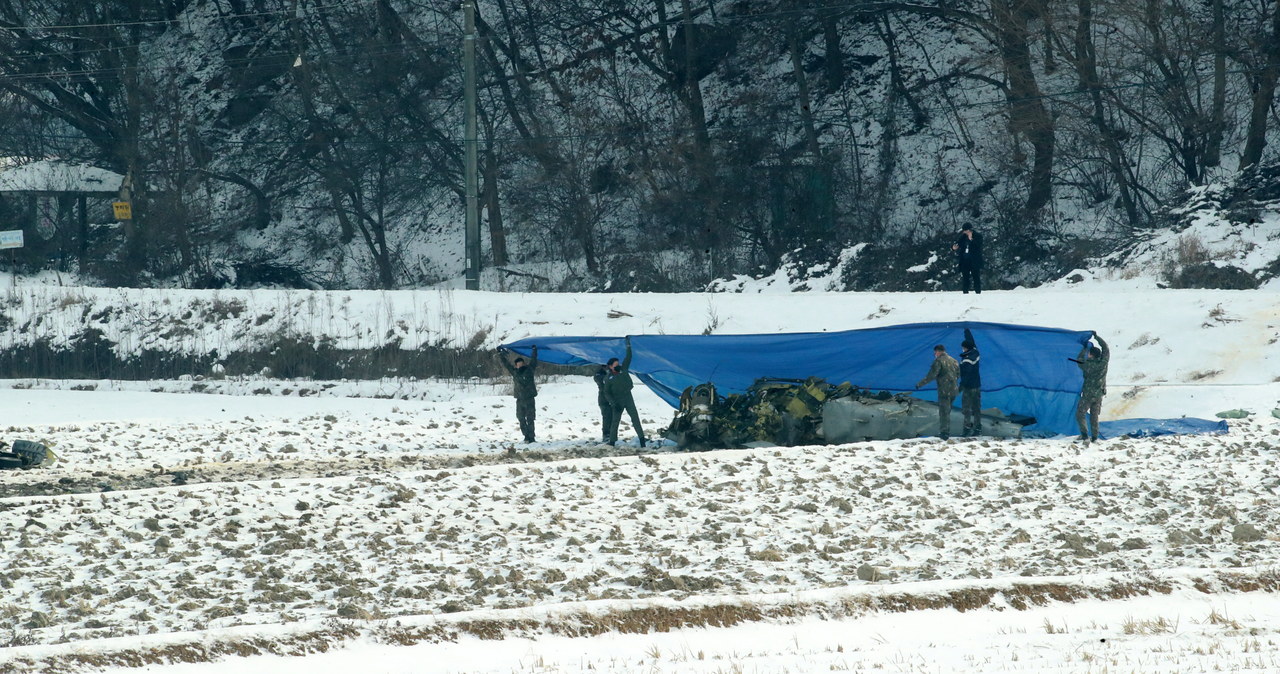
(1106, 351)
(533, 357)
(502, 358)
(626, 361)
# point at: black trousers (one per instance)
(526, 411)
(606, 416)
(970, 273)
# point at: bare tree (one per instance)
(1263, 70)
(84, 71)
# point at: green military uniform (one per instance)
(525, 390)
(946, 371)
(1094, 369)
(617, 391)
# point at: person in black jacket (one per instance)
(970, 385)
(968, 250)
(617, 390)
(525, 389)
(606, 410)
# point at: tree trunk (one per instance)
(1263, 84)
(493, 205)
(833, 59)
(1213, 139)
(1086, 61)
(802, 91)
(887, 156)
(1028, 115)
(703, 163)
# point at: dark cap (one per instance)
(968, 226)
(967, 344)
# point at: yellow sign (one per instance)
(124, 210)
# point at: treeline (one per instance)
(654, 144)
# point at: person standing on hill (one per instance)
(970, 385)
(524, 388)
(602, 400)
(968, 248)
(946, 371)
(1093, 363)
(617, 390)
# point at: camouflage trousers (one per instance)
(944, 413)
(526, 412)
(971, 407)
(1092, 408)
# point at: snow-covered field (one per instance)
(396, 524)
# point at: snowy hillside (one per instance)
(198, 520)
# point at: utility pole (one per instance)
(472, 243)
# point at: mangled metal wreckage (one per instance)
(792, 412)
(25, 454)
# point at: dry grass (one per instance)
(1157, 625)
(657, 619)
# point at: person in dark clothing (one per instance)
(606, 410)
(970, 385)
(525, 389)
(1093, 363)
(617, 390)
(968, 250)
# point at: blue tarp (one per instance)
(1025, 369)
(1147, 428)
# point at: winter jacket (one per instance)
(601, 375)
(617, 385)
(969, 252)
(970, 374)
(522, 377)
(1095, 371)
(946, 371)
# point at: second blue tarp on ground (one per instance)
(1026, 370)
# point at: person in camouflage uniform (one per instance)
(617, 390)
(946, 371)
(525, 389)
(1093, 363)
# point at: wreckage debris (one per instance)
(794, 412)
(24, 454)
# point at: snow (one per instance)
(240, 510)
(52, 175)
(1210, 236)
(922, 267)
(1197, 634)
